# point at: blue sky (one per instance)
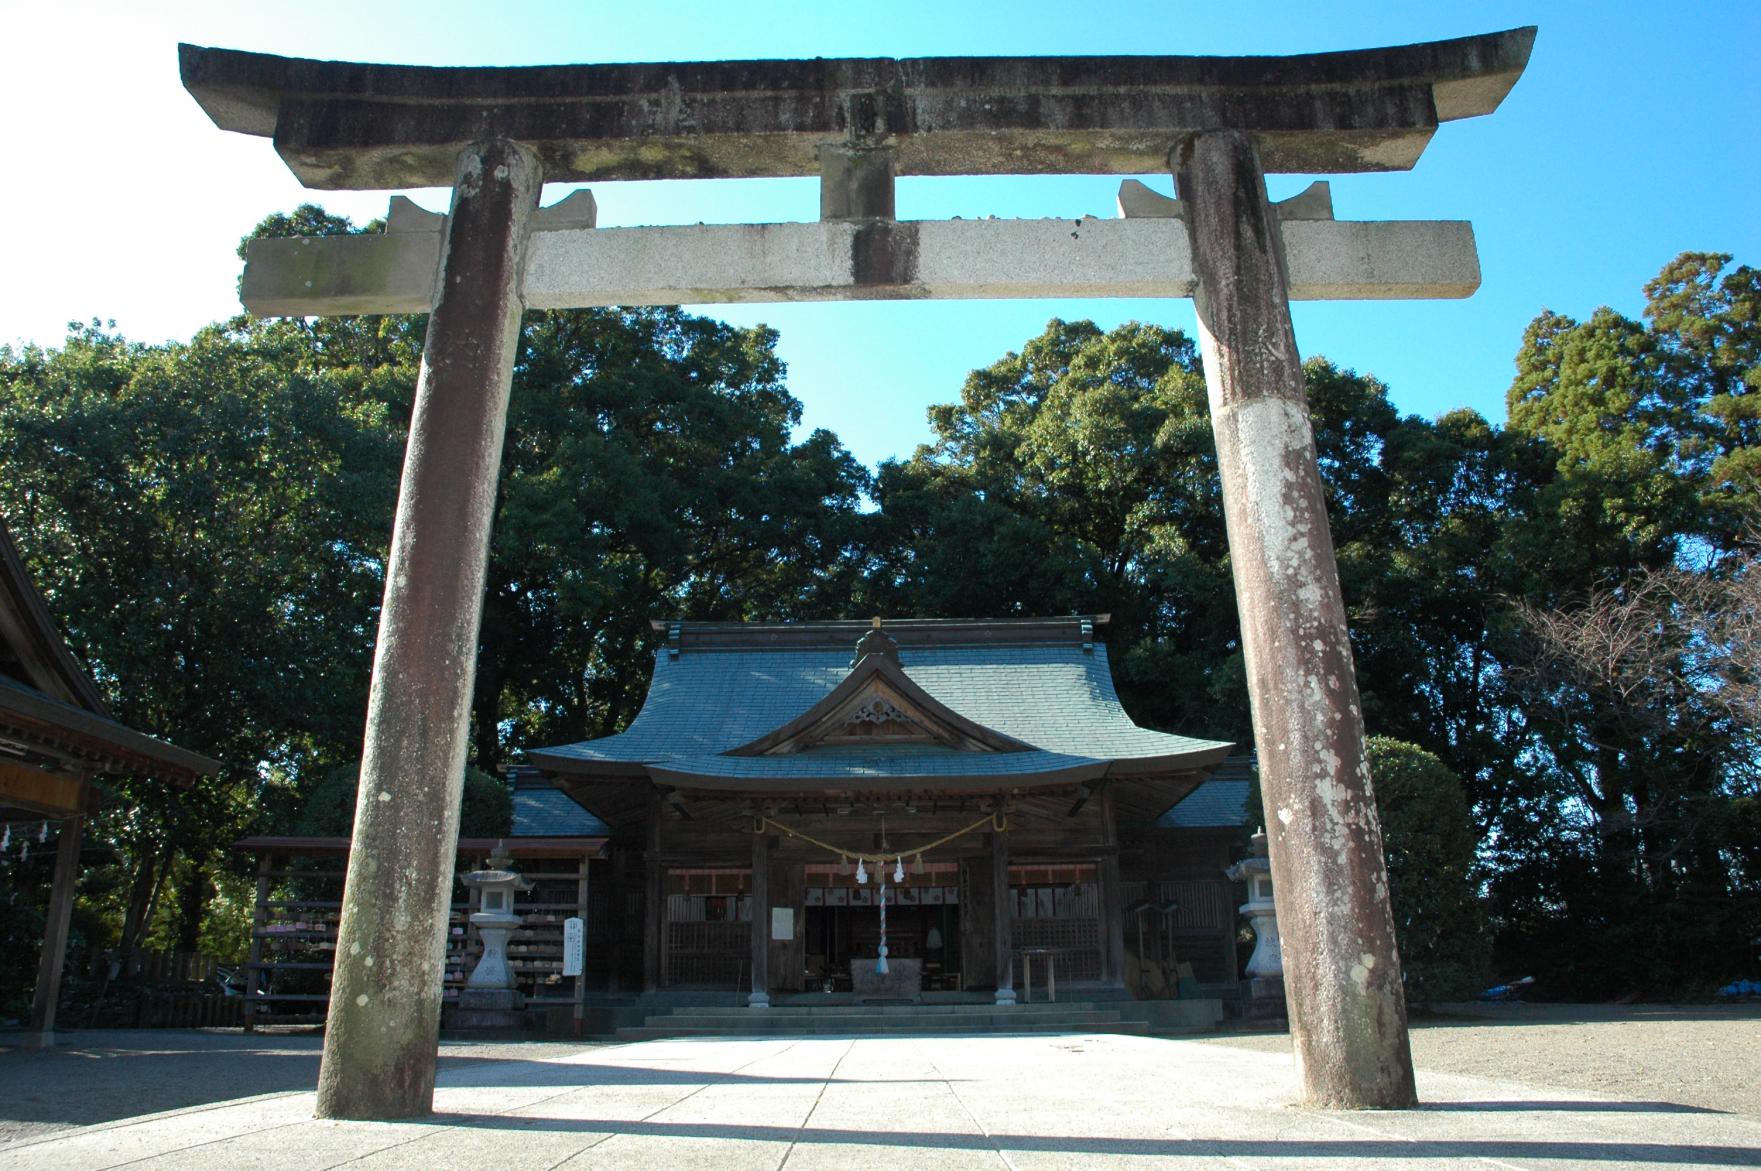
(1631, 138)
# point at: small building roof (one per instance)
(721, 690)
(55, 729)
(544, 811)
(1219, 802)
(545, 820)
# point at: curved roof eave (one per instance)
(1212, 755)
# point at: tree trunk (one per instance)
(144, 897)
(140, 894)
(486, 716)
(192, 905)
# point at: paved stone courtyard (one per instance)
(997, 1101)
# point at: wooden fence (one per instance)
(146, 989)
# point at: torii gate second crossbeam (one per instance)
(1220, 124)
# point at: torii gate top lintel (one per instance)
(349, 126)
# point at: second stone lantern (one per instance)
(489, 999)
(1265, 968)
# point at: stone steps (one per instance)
(886, 1020)
(895, 1010)
(659, 1033)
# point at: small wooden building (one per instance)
(552, 842)
(56, 737)
(979, 778)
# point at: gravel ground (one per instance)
(1692, 1055)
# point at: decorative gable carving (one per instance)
(878, 718)
(877, 703)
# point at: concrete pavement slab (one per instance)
(517, 1142)
(118, 1143)
(1022, 1102)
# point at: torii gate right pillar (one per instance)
(1347, 1007)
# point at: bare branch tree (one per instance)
(1670, 653)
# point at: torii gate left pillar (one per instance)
(385, 991)
(856, 124)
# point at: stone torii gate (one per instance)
(1220, 124)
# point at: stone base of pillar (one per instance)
(1265, 999)
(758, 1000)
(487, 1008)
(44, 1039)
(1006, 996)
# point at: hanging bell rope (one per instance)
(880, 960)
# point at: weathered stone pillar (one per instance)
(759, 997)
(381, 1035)
(1001, 924)
(1347, 1010)
(856, 181)
(59, 914)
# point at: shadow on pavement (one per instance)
(109, 1075)
(1397, 1151)
(103, 1077)
(1525, 1106)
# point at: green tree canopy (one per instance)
(329, 810)
(649, 471)
(1430, 841)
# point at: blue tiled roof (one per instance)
(1219, 802)
(1057, 698)
(551, 813)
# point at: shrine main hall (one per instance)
(911, 810)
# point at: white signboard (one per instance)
(574, 946)
(782, 923)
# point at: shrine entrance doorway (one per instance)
(843, 927)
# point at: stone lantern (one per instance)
(489, 998)
(1265, 968)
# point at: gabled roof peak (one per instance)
(875, 642)
(878, 703)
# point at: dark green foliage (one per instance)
(1707, 323)
(308, 219)
(1078, 476)
(649, 471)
(209, 518)
(24, 893)
(487, 810)
(1429, 838)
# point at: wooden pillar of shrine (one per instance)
(1112, 908)
(653, 900)
(41, 1033)
(1002, 908)
(759, 997)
